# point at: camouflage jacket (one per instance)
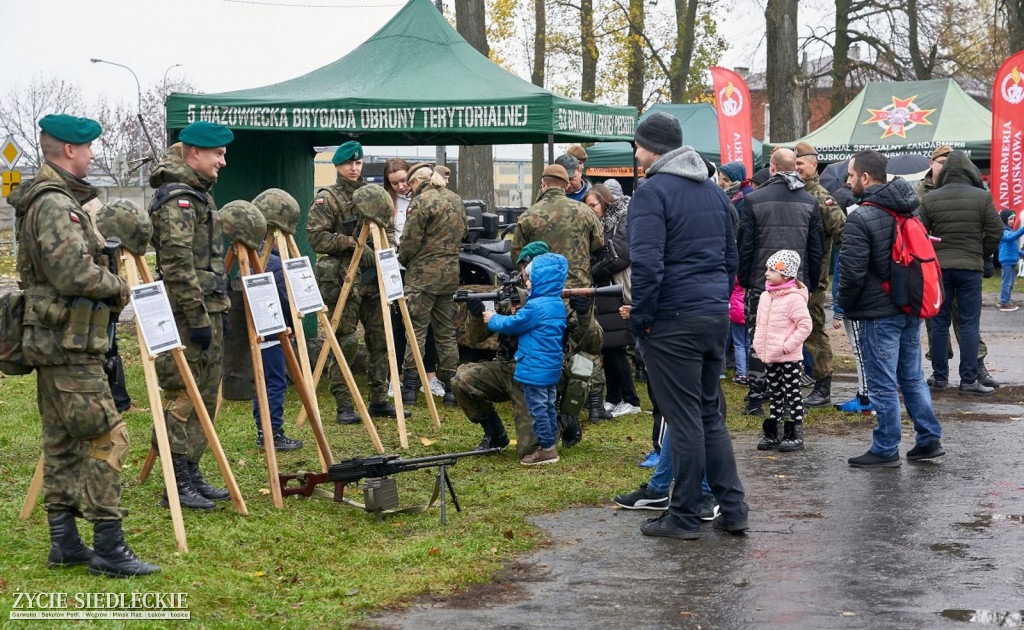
(334, 225)
(569, 228)
(189, 242)
(60, 266)
(435, 225)
(833, 219)
(925, 185)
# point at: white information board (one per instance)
(264, 304)
(392, 272)
(299, 275)
(153, 310)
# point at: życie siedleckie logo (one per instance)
(1011, 88)
(730, 100)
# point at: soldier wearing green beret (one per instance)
(70, 295)
(333, 228)
(188, 238)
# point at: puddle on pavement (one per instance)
(997, 618)
(982, 521)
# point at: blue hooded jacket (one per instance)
(539, 324)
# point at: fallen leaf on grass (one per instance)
(351, 592)
(427, 441)
(435, 551)
(264, 491)
(241, 462)
(686, 614)
(513, 442)
(257, 574)
(510, 534)
(3, 583)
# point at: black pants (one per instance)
(685, 357)
(658, 426)
(784, 391)
(619, 377)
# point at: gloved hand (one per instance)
(580, 303)
(475, 306)
(990, 268)
(201, 336)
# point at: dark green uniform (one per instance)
(333, 229)
(435, 225)
(188, 239)
(833, 219)
(67, 291)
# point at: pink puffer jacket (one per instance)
(736, 304)
(783, 323)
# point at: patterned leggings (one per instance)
(784, 391)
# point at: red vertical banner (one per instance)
(1007, 176)
(732, 98)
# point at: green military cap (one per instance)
(206, 135)
(351, 150)
(531, 251)
(71, 129)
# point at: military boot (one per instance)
(792, 437)
(771, 439)
(66, 547)
(822, 394)
(449, 394)
(187, 495)
(494, 433)
(572, 433)
(410, 387)
(203, 487)
(113, 556)
(984, 377)
(596, 406)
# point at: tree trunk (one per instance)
(1015, 24)
(476, 163)
(840, 57)
(589, 53)
(783, 71)
(924, 66)
(635, 78)
(540, 50)
(686, 20)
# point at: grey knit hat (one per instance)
(659, 133)
(785, 261)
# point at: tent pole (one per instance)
(551, 148)
(635, 178)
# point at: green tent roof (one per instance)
(699, 122)
(415, 82)
(910, 117)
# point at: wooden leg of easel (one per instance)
(410, 336)
(299, 332)
(389, 336)
(339, 308)
(268, 246)
(350, 380)
(136, 265)
(147, 466)
(34, 487)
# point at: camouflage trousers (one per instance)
(184, 431)
(426, 309)
(84, 442)
(363, 308)
(817, 343)
(982, 348)
(477, 386)
(588, 337)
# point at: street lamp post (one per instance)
(164, 83)
(138, 128)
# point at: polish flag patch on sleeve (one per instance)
(184, 203)
(74, 217)
(319, 201)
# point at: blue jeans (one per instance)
(965, 286)
(891, 350)
(277, 385)
(740, 346)
(661, 480)
(540, 400)
(1009, 273)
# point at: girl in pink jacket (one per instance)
(783, 323)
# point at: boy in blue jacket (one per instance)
(1009, 254)
(540, 326)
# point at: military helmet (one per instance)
(244, 223)
(279, 209)
(373, 203)
(127, 221)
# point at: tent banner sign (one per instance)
(1007, 177)
(828, 154)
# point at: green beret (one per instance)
(531, 251)
(206, 135)
(351, 150)
(71, 129)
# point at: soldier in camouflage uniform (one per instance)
(571, 229)
(188, 239)
(833, 219)
(69, 298)
(333, 228)
(435, 225)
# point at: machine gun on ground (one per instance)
(379, 490)
(512, 290)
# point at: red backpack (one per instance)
(915, 279)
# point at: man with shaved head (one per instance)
(778, 215)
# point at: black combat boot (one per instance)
(572, 433)
(187, 495)
(984, 377)
(596, 406)
(347, 415)
(203, 487)
(449, 394)
(793, 437)
(771, 439)
(113, 556)
(494, 433)
(753, 407)
(66, 546)
(386, 410)
(822, 394)
(410, 387)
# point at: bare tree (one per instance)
(783, 74)
(635, 87)
(686, 24)
(476, 163)
(589, 52)
(1014, 12)
(540, 40)
(23, 106)
(117, 148)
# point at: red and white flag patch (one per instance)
(184, 203)
(74, 217)
(319, 201)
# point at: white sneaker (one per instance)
(609, 407)
(436, 388)
(625, 409)
(391, 390)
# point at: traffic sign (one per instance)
(10, 180)
(10, 152)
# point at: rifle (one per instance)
(509, 291)
(112, 250)
(379, 490)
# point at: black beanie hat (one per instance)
(761, 176)
(659, 133)
(1006, 215)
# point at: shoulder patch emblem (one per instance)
(74, 217)
(319, 201)
(184, 203)
(829, 201)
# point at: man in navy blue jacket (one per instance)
(683, 249)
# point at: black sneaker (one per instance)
(643, 499)
(976, 389)
(935, 382)
(870, 460)
(346, 415)
(736, 529)
(281, 443)
(667, 527)
(386, 410)
(926, 451)
(708, 507)
(768, 443)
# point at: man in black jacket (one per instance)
(778, 215)
(891, 345)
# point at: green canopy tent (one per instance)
(700, 130)
(910, 117)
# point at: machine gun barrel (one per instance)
(614, 290)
